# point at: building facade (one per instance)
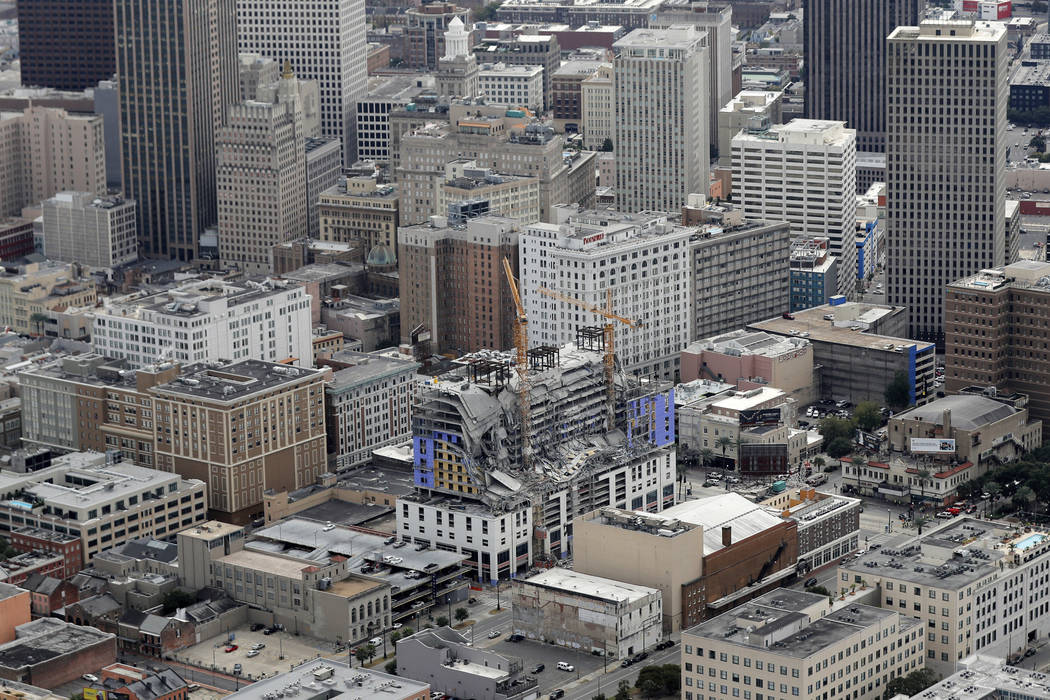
(814, 273)
(97, 232)
(512, 85)
(749, 110)
(945, 204)
(361, 211)
(597, 107)
(66, 45)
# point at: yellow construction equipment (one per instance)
(521, 345)
(610, 354)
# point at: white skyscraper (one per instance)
(99, 232)
(947, 92)
(325, 41)
(662, 141)
(262, 178)
(805, 173)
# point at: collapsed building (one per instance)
(505, 494)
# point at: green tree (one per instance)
(607, 145)
(1038, 143)
(820, 590)
(724, 442)
(461, 614)
(406, 632)
(819, 462)
(391, 667)
(487, 13)
(898, 392)
(839, 448)
(370, 649)
(659, 681)
(993, 489)
(394, 636)
(38, 320)
(175, 599)
(442, 621)
(363, 653)
(1024, 498)
(911, 684)
(923, 475)
(705, 456)
(623, 691)
(867, 416)
(599, 696)
(833, 428)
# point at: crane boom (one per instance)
(521, 346)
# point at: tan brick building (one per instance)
(358, 210)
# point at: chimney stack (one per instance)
(947, 420)
(727, 535)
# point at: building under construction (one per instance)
(477, 473)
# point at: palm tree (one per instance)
(724, 442)
(705, 456)
(38, 319)
(923, 476)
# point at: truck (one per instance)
(817, 479)
(778, 487)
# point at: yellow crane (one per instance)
(521, 345)
(607, 313)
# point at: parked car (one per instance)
(90, 678)
(231, 648)
(626, 662)
(437, 696)
(515, 638)
(252, 653)
(565, 666)
(538, 668)
(810, 582)
(257, 626)
(376, 641)
(193, 686)
(555, 694)
(257, 646)
(494, 633)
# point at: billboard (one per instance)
(762, 416)
(868, 440)
(934, 445)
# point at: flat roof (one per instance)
(979, 677)
(259, 561)
(969, 412)
(48, 638)
(747, 342)
(335, 679)
(366, 368)
(210, 530)
(839, 331)
(80, 484)
(732, 510)
(236, 381)
(745, 400)
(354, 586)
(591, 586)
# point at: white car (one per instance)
(90, 678)
(376, 641)
(563, 666)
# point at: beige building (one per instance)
(261, 177)
(243, 429)
(597, 106)
(750, 109)
(467, 190)
(793, 644)
(732, 417)
(47, 150)
(362, 211)
(30, 294)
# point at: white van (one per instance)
(376, 641)
(562, 666)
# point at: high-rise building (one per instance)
(452, 281)
(261, 178)
(750, 109)
(597, 108)
(803, 172)
(65, 44)
(457, 70)
(91, 231)
(358, 210)
(425, 28)
(524, 50)
(845, 59)
(324, 166)
(662, 142)
(325, 41)
(946, 171)
(177, 70)
(46, 150)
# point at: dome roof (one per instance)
(381, 255)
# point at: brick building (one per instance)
(33, 539)
(141, 684)
(48, 594)
(48, 652)
(20, 567)
(16, 238)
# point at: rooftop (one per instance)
(1023, 274)
(677, 37)
(803, 131)
(235, 382)
(953, 30)
(744, 342)
(259, 561)
(982, 677)
(1032, 72)
(9, 591)
(46, 639)
(563, 579)
(969, 412)
(366, 368)
(745, 400)
(333, 680)
(848, 326)
(398, 88)
(724, 510)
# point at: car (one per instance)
(268, 631)
(257, 646)
(565, 666)
(971, 509)
(397, 625)
(437, 696)
(90, 677)
(626, 662)
(253, 653)
(670, 643)
(538, 668)
(230, 648)
(494, 633)
(733, 479)
(193, 686)
(810, 582)
(944, 515)
(237, 668)
(640, 656)
(376, 641)
(555, 694)
(709, 484)
(515, 638)
(986, 495)
(473, 601)
(1030, 651)
(257, 626)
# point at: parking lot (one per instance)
(295, 650)
(532, 653)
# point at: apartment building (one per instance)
(803, 172)
(793, 644)
(814, 273)
(49, 150)
(242, 429)
(206, 321)
(749, 110)
(945, 178)
(385, 94)
(662, 114)
(80, 227)
(590, 255)
(261, 177)
(992, 319)
(511, 85)
(597, 108)
(524, 50)
(367, 406)
(467, 190)
(103, 503)
(977, 587)
(452, 282)
(30, 292)
(567, 91)
(361, 211)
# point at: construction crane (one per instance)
(521, 345)
(610, 355)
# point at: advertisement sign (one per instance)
(764, 416)
(868, 440)
(933, 445)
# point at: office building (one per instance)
(630, 15)
(323, 40)
(360, 211)
(536, 50)
(814, 273)
(467, 190)
(845, 56)
(991, 320)
(987, 678)
(359, 682)
(457, 74)
(992, 572)
(519, 86)
(860, 349)
(66, 45)
(778, 174)
(169, 118)
(30, 292)
(424, 33)
(567, 92)
(254, 71)
(828, 524)
(451, 664)
(661, 124)
(586, 255)
(47, 150)
(96, 232)
(261, 178)
(368, 405)
(751, 360)
(385, 95)
(754, 110)
(207, 321)
(1030, 86)
(945, 202)
(452, 282)
(593, 614)
(102, 503)
(597, 108)
(797, 643)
